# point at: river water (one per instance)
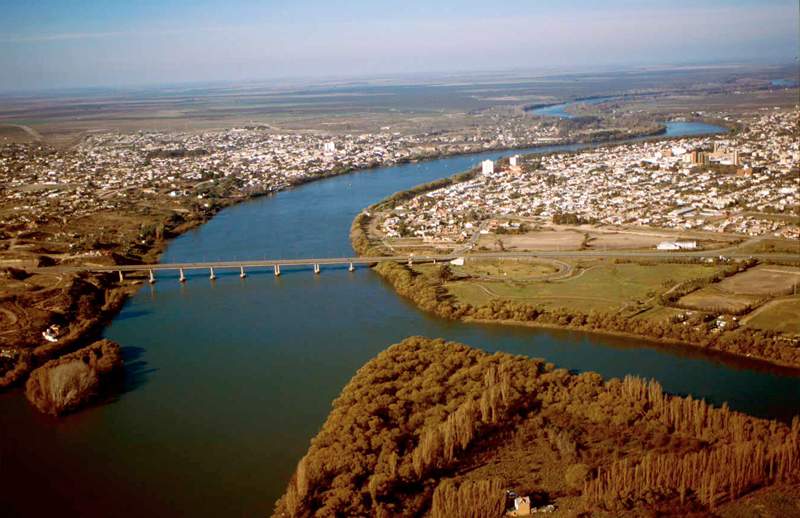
(227, 381)
(560, 110)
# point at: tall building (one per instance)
(487, 167)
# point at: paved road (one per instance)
(404, 258)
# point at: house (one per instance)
(521, 506)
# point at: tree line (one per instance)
(410, 432)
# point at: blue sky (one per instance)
(64, 43)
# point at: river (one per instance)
(226, 381)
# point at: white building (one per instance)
(677, 245)
(329, 147)
(487, 167)
(513, 161)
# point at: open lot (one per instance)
(546, 240)
(716, 300)
(778, 315)
(763, 280)
(562, 237)
(741, 292)
(518, 270)
(601, 287)
(765, 246)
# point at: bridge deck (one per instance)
(264, 263)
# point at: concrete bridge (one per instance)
(317, 263)
(242, 266)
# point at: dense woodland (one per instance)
(437, 428)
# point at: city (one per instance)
(440, 259)
(744, 195)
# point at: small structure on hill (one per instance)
(520, 506)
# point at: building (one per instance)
(329, 147)
(677, 245)
(487, 167)
(513, 161)
(699, 157)
(520, 506)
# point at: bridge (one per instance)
(351, 262)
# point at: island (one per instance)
(436, 428)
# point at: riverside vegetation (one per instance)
(428, 289)
(436, 428)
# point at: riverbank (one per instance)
(693, 329)
(190, 349)
(431, 296)
(82, 305)
(440, 429)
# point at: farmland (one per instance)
(594, 285)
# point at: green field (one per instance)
(601, 287)
(780, 315)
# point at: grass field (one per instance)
(715, 299)
(778, 246)
(511, 270)
(779, 315)
(763, 280)
(601, 287)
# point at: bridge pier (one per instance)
(182, 277)
(242, 275)
(351, 268)
(277, 269)
(152, 279)
(316, 268)
(211, 274)
(121, 277)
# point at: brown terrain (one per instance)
(435, 428)
(75, 379)
(137, 228)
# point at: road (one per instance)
(321, 261)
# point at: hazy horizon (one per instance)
(60, 45)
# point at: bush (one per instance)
(576, 475)
(64, 385)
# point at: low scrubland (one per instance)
(435, 428)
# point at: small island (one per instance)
(74, 380)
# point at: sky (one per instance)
(68, 43)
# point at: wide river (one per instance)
(227, 381)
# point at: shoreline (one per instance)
(540, 425)
(464, 313)
(83, 331)
(362, 243)
(655, 342)
(86, 330)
